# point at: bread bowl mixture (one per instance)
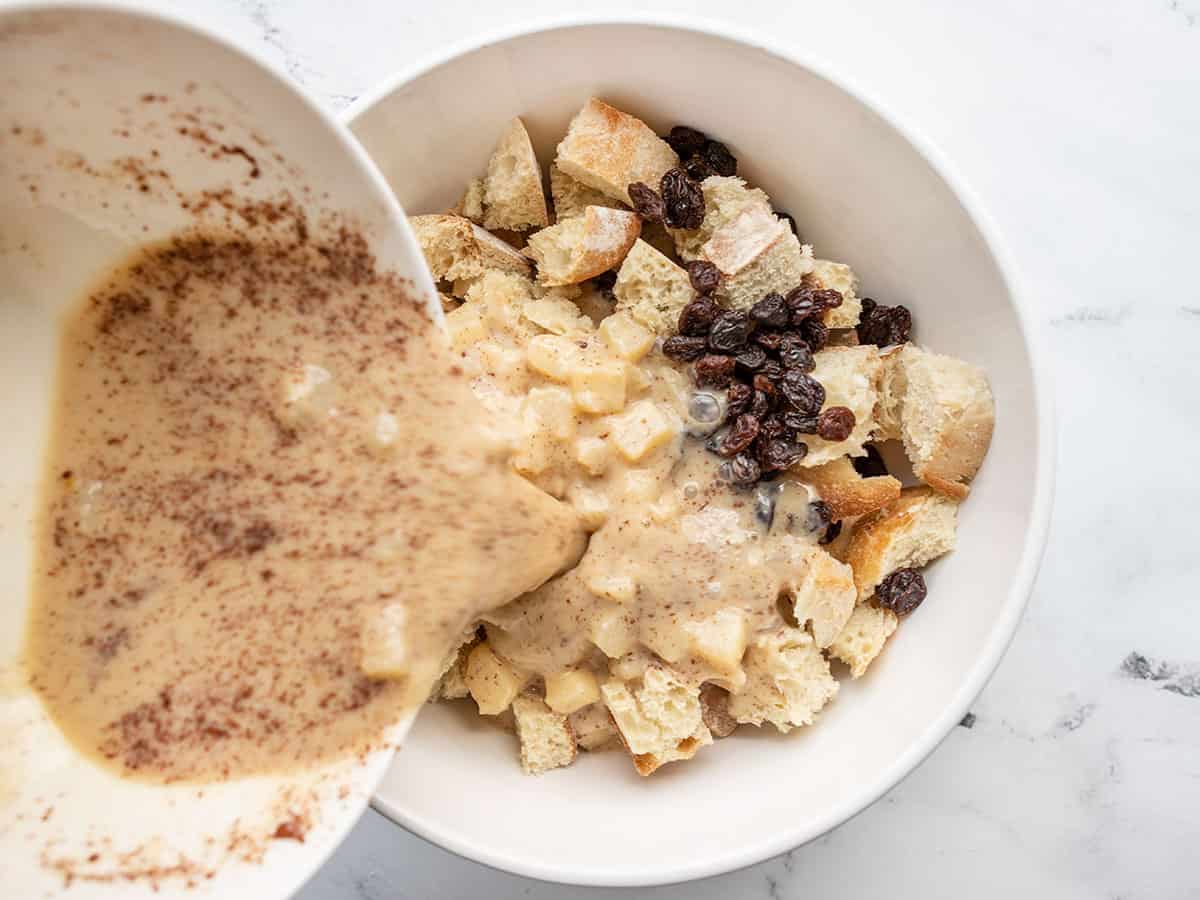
(267, 473)
(667, 356)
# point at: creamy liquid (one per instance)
(255, 447)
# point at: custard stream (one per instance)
(256, 445)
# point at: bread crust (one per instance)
(457, 248)
(847, 493)
(594, 243)
(607, 149)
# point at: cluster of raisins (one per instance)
(678, 202)
(883, 325)
(762, 357)
(699, 155)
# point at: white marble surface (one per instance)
(1078, 124)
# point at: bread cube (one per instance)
(787, 681)
(582, 247)
(571, 197)
(823, 596)
(849, 376)
(652, 289)
(455, 247)
(513, 198)
(659, 721)
(608, 150)
(847, 493)
(547, 741)
(841, 278)
(863, 638)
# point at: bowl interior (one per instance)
(861, 193)
(113, 127)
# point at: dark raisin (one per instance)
(815, 332)
(831, 533)
(818, 516)
(883, 325)
(738, 399)
(772, 369)
(765, 384)
(790, 219)
(772, 427)
(686, 141)
(714, 370)
(781, 453)
(794, 354)
(646, 202)
(604, 283)
(760, 405)
(718, 156)
(697, 317)
(683, 199)
(740, 436)
(715, 440)
(871, 465)
(867, 307)
(744, 469)
(800, 423)
(803, 391)
(826, 298)
(771, 311)
(705, 277)
(685, 348)
(730, 330)
(900, 323)
(768, 340)
(751, 359)
(835, 423)
(698, 168)
(800, 302)
(901, 592)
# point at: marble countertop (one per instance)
(1077, 774)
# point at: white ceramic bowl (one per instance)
(92, 100)
(864, 190)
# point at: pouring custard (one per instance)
(265, 463)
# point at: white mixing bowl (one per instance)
(866, 191)
(110, 121)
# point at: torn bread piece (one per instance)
(457, 248)
(513, 197)
(659, 721)
(841, 278)
(608, 150)
(584, 246)
(652, 289)
(547, 741)
(788, 681)
(942, 408)
(907, 533)
(824, 596)
(470, 205)
(757, 253)
(850, 376)
(725, 197)
(863, 638)
(847, 493)
(594, 729)
(571, 197)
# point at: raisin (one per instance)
(800, 302)
(800, 423)
(683, 199)
(751, 359)
(815, 333)
(781, 453)
(685, 348)
(871, 465)
(835, 423)
(771, 311)
(718, 156)
(772, 427)
(826, 298)
(714, 370)
(831, 533)
(744, 469)
(866, 308)
(705, 277)
(760, 405)
(818, 516)
(686, 141)
(730, 331)
(883, 325)
(768, 340)
(765, 384)
(901, 592)
(698, 168)
(790, 219)
(738, 399)
(803, 391)
(772, 369)
(900, 323)
(697, 317)
(646, 202)
(740, 435)
(794, 354)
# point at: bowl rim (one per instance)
(290, 876)
(1032, 552)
